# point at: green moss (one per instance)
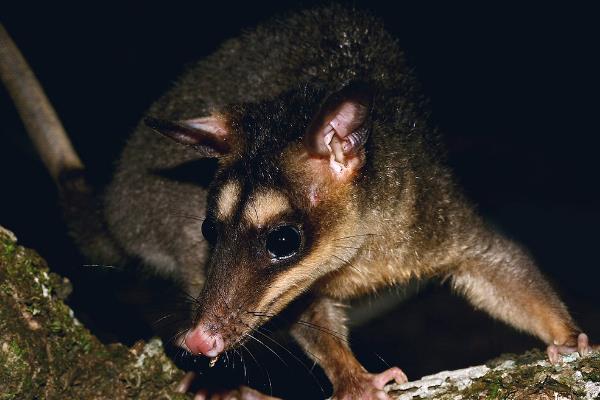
(490, 386)
(8, 249)
(15, 349)
(590, 367)
(56, 327)
(529, 357)
(528, 378)
(494, 391)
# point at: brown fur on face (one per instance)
(325, 222)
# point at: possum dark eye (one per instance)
(209, 230)
(284, 242)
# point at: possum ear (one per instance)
(341, 129)
(208, 135)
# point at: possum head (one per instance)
(285, 193)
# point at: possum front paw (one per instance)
(241, 393)
(581, 346)
(369, 386)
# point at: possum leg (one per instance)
(505, 283)
(321, 331)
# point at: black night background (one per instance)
(512, 88)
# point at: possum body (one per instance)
(323, 130)
(328, 184)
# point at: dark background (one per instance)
(513, 88)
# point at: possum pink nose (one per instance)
(199, 341)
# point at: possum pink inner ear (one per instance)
(208, 135)
(341, 129)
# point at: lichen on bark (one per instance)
(525, 376)
(46, 353)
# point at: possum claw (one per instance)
(185, 382)
(583, 345)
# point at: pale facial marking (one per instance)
(228, 198)
(264, 206)
(286, 287)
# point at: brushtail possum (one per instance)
(329, 185)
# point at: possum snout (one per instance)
(200, 340)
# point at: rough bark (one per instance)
(526, 376)
(46, 353)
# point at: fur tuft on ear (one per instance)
(208, 135)
(341, 128)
